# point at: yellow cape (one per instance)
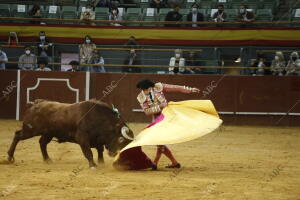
(183, 121)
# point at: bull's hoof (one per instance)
(101, 162)
(93, 167)
(48, 161)
(11, 159)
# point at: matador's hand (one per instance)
(195, 90)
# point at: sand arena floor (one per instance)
(231, 163)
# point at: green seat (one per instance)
(144, 3)
(264, 15)
(232, 15)
(206, 4)
(133, 14)
(82, 2)
(188, 3)
(69, 12)
(212, 69)
(4, 10)
(163, 12)
(101, 13)
(18, 10)
(294, 17)
(50, 12)
(149, 16)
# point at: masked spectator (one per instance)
(86, 50)
(13, 39)
(261, 65)
(44, 46)
(157, 4)
(27, 60)
(88, 15)
(177, 63)
(220, 15)
(132, 59)
(293, 66)
(35, 12)
(115, 16)
(245, 15)
(131, 43)
(278, 64)
(173, 15)
(3, 59)
(195, 16)
(42, 65)
(97, 59)
(75, 66)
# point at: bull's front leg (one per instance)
(19, 135)
(100, 150)
(86, 149)
(44, 140)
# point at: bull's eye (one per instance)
(121, 139)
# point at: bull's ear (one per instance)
(121, 139)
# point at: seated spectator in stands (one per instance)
(293, 66)
(278, 64)
(195, 16)
(35, 12)
(114, 15)
(262, 65)
(13, 39)
(28, 60)
(44, 46)
(157, 4)
(3, 59)
(42, 65)
(88, 15)
(96, 59)
(220, 15)
(245, 15)
(192, 60)
(75, 66)
(86, 49)
(132, 59)
(173, 15)
(131, 43)
(177, 63)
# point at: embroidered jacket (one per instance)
(153, 102)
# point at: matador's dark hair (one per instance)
(145, 84)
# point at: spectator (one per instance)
(97, 59)
(28, 60)
(35, 12)
(86, 49)
(131, 43)
(220, 15)
(115, 16)
(245, 15)
(3, 59)
(278, 64)
(192, 61)
(177, 63)
(195, 16)
(157, 4)
(132, 59)
(293, 66)
(44, 46)
(13, 39)
(173, 16)
(75, 66)
(88, 15)
(261, 65)
(42, 65)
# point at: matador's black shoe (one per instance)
(154, 167)
(174, 166)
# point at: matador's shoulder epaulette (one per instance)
(158, 87)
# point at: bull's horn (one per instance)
(125, 131)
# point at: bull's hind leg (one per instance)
(44, 140)
(100, 154)
(19, 135)
(86, 149)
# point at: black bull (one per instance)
(91, 124)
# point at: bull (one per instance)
(91, 124)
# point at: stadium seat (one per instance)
(149, 14)
(188, 3)
(295, 17)
(206, 4)
(69, 12)
(4, 10)
(144, 3)
(52, 12)
(163, 12)
(264, 15)
(133, 14)
(211, 70)
(232, 15)
(101, 13)
(18, 10)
